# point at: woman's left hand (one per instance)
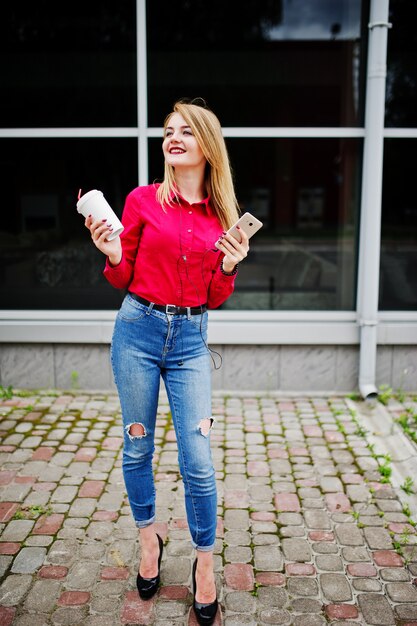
(233, 250)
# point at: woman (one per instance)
(176, 260)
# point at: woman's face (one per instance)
(180, 147)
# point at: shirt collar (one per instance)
(205, 202)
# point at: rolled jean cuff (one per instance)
(144, 523)
(202, 548)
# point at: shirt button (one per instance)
(189, 230)
(190, 212)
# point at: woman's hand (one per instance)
(100, 230)
(233, 250)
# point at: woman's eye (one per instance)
(188, 132)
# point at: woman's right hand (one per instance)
(99, 232)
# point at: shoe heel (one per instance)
(205, 613)
(147, 587)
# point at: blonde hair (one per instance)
(218, 175)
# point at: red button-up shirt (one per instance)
(169, 257)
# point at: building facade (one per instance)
(317, 102)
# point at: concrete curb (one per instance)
(389, 438)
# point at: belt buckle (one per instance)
(171, 309)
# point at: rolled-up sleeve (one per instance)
(120, 276)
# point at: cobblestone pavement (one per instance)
(308, 531)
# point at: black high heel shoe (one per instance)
(205, 613)
(147, 587)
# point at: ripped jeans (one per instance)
(146, 345)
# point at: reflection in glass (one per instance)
(47, 259)
(317, 20)
(260, 63)
(68, 63)
(398, 284)
(401, 86)
(306, 191)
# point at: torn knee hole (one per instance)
(135, 431)
(205, 425)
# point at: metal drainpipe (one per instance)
(370, 226)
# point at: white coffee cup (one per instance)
(95, 204)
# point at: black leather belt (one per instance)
(171, 309)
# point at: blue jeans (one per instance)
(146, 345)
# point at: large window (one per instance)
(401, 96)
(47, 259)
(398, 285)
(259, 63)
(68, 63)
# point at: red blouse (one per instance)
(169, 257)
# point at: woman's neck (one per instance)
(190, 186)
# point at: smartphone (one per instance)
(248, 223)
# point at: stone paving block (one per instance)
(268, 558)
(51, 473)
(7, 510)
(176, 572)
(134, 606)
(55, 572)
(15, 492)
(287, 502)
(7, 615)
(235, 519)
(366, 584)
(306, 605)
(82, 507)
(357, 493)
(376, 609)
(407, 612)
(301, 586)
(401, 592)
(237, 554)
(237, 538)
(337, 502)
(239, 576)
(72, 615)
(296, 549)
(361, 569)
(349, 535)
(330, 484)
(272, 597)
(317, 519)
(82, 575)
(240, 601)
(335, 587)
(270, 578)
(13, 589)
(17, 530)
(48, 524)
(300, 569)
(377, 538)
(28, 560)
(329, 562)
(42, 596)
(62, 552)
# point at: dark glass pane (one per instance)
(260, 62)
(401, 92)
(47, 258)
(306, 191)
(68, 63)
(398, 283)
